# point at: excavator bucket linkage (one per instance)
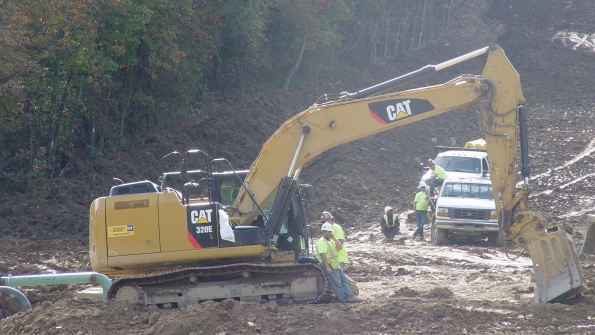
(557, 270)
(587, 250)
(558, 274)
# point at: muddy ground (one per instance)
(409, 287)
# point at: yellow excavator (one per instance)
(246, 235)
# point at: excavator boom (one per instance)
(357, 115)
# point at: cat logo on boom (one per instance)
(201, 217)
(388, 111)
(401, 109)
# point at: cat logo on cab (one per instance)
(201, 217)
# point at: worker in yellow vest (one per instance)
(420, 205)
(438, 176)
(339, 234)
(389, 223)
(327, 247)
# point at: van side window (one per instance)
(484, 163)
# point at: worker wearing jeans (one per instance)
(339, 234)
(420, 205)
(327, 247)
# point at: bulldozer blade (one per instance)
(586, 253)
(558, 274)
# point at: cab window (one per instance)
(459, 164)
(284, 227)
(229, 190)
(467, 190)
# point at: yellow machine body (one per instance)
(140, 233)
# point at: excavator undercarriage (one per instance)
(246, 282)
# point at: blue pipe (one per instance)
(21, 298)
(60, 278)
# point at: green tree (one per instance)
(305, 25)
(80, 79)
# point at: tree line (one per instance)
(80, 79)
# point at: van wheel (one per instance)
(496, 240)
(431, 217)
(438, 236)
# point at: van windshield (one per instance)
(467, 190)
(459, 164)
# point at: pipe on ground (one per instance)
(60, 278)
(18, 295)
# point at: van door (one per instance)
(485, 168)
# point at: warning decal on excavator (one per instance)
(389, 111)
(117, 231)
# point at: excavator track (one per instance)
(247, 282)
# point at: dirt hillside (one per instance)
(409, 287)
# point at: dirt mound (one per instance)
(402, 315)
(408, 286)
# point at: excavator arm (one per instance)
(504, 122)
(352, 116)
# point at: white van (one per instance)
(461, 164)
(465, 209)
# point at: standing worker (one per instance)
(339, 234)
(328, 247)
(438, 176)
(420, 205)
(389, 223)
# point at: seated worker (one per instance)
(389, 223)
(438, 176)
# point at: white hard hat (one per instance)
(326, 227)
(326, 216)
(422, 184)
(387, 208)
